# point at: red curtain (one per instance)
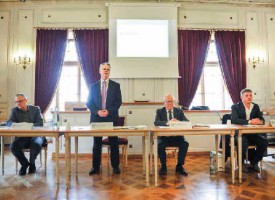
(192, 49)
(50, 51)
(231, 53)
(92, 50)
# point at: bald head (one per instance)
(169, 101)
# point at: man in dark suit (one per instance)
(104, 101)
(246, 112)
(31, 114)
(163, 118)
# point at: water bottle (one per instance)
(228, 122)
(55, 119)
(212, 164)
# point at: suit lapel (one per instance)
(175, 113)
(98, 91)
(164, 114)
(242, 110)
(252, 114)
(109, 91)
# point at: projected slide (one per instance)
(142, 38)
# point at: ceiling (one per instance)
(187, 1)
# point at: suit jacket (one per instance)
(113, 102)
(161, 116)
(238, 115)
(34, 116)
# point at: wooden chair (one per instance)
(122, 143)
(246, 155)
(174, 150)
(44, 148)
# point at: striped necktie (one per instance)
(103, 95)
(170, 115)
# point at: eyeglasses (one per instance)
(20, 101)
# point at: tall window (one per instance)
(212, 91)
(72, 86)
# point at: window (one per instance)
(212, 91)
(72, 86)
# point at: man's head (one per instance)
(246, 96)
(21, 101)
(104, 71)
(169, 102)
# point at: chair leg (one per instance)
(126, 155)
(261, 165)
(176, 155)
(40, 159)
(246, 156)
(16, 165)
(108, 154)
(122, 153)
(236, 159)
(45, 159)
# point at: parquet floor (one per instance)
(199, 185)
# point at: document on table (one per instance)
(163, 127)
(200, 125)
(131, 127)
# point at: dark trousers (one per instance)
(259, 141)
(35, 145)
(97, 149)
(174, 141)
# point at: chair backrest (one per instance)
(226, 117)
(121, 121)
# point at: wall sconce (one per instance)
(255, 60)
(23, 61)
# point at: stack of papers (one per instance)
(200, 125)
(131, 127)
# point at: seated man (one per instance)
(163, 118)
(31, 114)
(246, 112)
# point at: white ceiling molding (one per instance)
(265, 2)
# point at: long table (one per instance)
(215, 130)
(250, 129)
(79, 131)
(35, 132)
(86, 131)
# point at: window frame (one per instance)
(78, 76)
(202, 83)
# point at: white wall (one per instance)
(19, 34)
(18, 22)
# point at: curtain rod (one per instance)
(67, 28)
(98, 28)
(213, 29)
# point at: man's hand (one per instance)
(103, 113)
(256, 121)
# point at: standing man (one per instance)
(246, 112)
(163, 118)
(31, 114)
(104, 101)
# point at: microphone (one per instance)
(219, 116)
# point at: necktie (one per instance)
(103, 95)
(170, 115)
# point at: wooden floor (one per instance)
(130, 183)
